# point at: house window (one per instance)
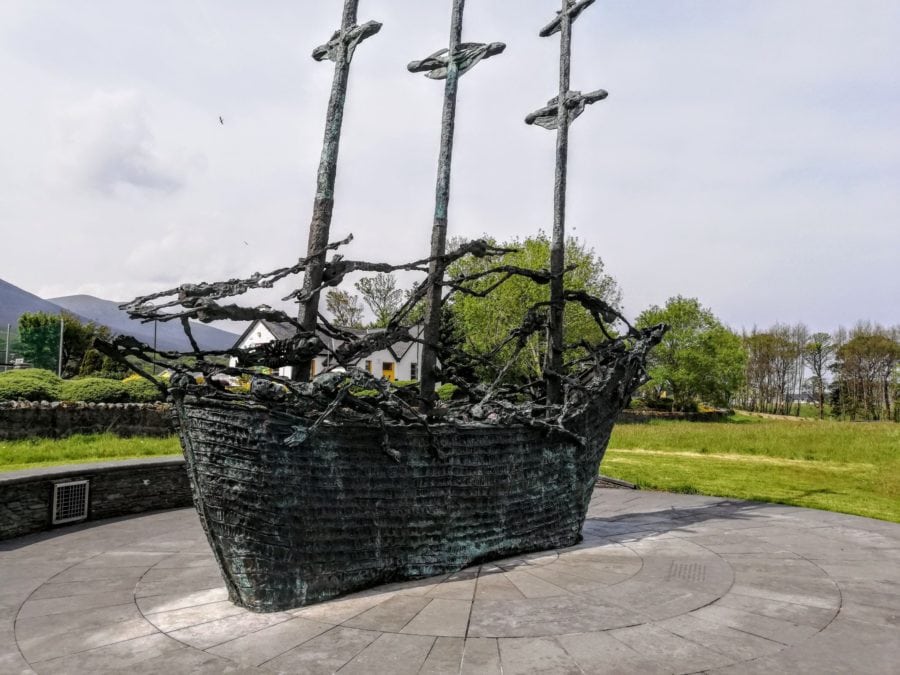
(387, 371)
(368, 366)
(414, 371)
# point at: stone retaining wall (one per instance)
(22, 419)
(116, 489)
(19, 420)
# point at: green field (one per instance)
(850, 467)
(838, 466)
(36, 453)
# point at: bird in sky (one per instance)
(221, 121)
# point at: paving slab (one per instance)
(661, 583)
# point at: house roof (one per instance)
(285, 331)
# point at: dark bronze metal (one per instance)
(448, 65)
(574, 104)
(339, 49)
(309, 490)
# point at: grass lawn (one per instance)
(851, 467)
(36, 453)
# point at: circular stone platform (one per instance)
(661, 584)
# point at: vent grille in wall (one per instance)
(70, 501)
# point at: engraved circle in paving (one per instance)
(661, 583)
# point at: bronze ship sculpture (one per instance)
(308, 491)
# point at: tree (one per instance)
(817, 354)
(417, 312)
(345, 308)
(865, 370)
(699, 359)
(481, 323)
(382, 296)
(39, 344)
(39, 341)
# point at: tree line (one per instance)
(854, 374)
(851, 374)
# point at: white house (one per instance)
(398, 362)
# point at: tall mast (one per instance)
(558, 115)
(448, 65)
(339, 49)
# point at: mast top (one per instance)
(350, 38)
(573, 11)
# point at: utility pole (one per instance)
(62, 328)
(448, 65)
(559, 114)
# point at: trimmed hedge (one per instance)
(94, 390)
(141, 390)
(30, 384)
(34, 384)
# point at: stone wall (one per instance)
(22, 419)
(116, 489)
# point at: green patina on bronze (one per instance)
(309, 489)
(339, 49)
(449, 65)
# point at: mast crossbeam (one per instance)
(350, 39)
(466, 56)
(548, 116)
(573, 11)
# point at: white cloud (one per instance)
(108, 145)
(748, 153)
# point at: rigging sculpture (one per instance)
(311, 489)
(559, 114)
(340, 49)
(448, 65)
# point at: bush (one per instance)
(445, 391)
(140, 390)
(30, 384)
(661, 404)
(94, 390)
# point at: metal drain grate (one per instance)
(70, 501)
(695, 572)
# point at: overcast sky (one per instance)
(748, 154)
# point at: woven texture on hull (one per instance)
(295, 525)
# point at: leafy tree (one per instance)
(483, 322)
(817, 355)
(382, 296)
(865, 370)
(345, 308)
(39, 344)
(39, 339)
(699, 359)
(417, 313)
(96, 364)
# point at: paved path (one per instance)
(661, 584)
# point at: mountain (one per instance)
(169, 336)
(14, 302)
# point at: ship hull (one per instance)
(356, 505)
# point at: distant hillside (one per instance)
(14, 302)
(169, 336)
